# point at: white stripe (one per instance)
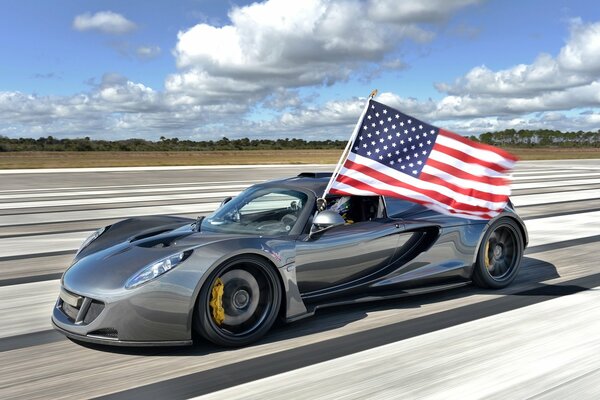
(113, 200)
(167, 168)
(473, 169)
(484, 155)
(38, 244)
(420, 184)
(402, 191)
(564, 227)
(549, 198)
(465, 183)
(113, 213)
(546, 177)
(90, 193)
(536, 185)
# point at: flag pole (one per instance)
(321, 201)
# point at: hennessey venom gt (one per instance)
(267, 253)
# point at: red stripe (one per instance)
(459, 173)
(467, 158)
(363, 186)
(487, 196)
(389, 180)
(481, 146)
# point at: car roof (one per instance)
(312, 181)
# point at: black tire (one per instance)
(499, 255)
(250, 301)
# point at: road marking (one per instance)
(165, 168)
(476, 359)
(114, 200)
(111, 213)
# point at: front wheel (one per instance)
(239, 303)
(499, 256)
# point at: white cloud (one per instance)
(568, 81)
(147, 52)
(103, 21)
(279, 44)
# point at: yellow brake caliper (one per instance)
(487, 255)
(216, 302)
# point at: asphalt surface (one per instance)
(539, 338)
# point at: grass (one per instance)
(141, 159)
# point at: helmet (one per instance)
(340, 205)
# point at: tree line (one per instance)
(505, 138)
(164, 144)
(540, 138)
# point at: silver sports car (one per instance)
(268, 254)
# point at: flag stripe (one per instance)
(430, 170)
(479, 155)
(464, 157)
(457, 202)
(353, 186)
(479, 146)
(461, 173)
(473, 168)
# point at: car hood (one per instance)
(113, 260)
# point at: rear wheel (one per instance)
(499, 255)
(239, 303)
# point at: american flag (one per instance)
(397, 155)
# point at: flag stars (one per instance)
(368, 153)
(364, 127)
(381, 157)
(380, 122)
(418, 137)
(385, 130)
(394, 127)
(369, 117)
(412, 147)
(377, 150)
(420, 144)
(413, 129)
(421, 127)
(389, 137)
(373, 143)
(397, 116)
(429, 142)
(407, 157)
(381, 140)
(385, 147)
(394, 144)
(389, 119)
(403, 167)
(420, 162)
(377, 133)
(411, 165)
(377, 114)
(397, 152)
(401, 123)
(391, 162)
(409, 121)
(414, 171)
(410, 139)
(406, 131)
(424, 152)
(373, 125)
(384, 111)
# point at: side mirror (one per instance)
(325, 220)
(225, 201)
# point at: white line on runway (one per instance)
(39, 244)
(516, 354)
(27, 307)
(537, 185)
(564, 227)
(165, 168)
(89, 193)
(549, 198)
(113, 213)
(114, 200)
(152, 185)
(546, 177)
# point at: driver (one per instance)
(341, 205)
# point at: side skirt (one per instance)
(365, 299)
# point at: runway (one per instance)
(539, 338)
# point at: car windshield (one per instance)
(262, 211)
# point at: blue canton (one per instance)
(394, 139)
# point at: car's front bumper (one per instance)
(135, 319)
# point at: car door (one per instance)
(345, 255)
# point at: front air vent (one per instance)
(148, 234)
(105, 333)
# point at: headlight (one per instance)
(156, 269)
(90, 239)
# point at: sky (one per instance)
(202, 70)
